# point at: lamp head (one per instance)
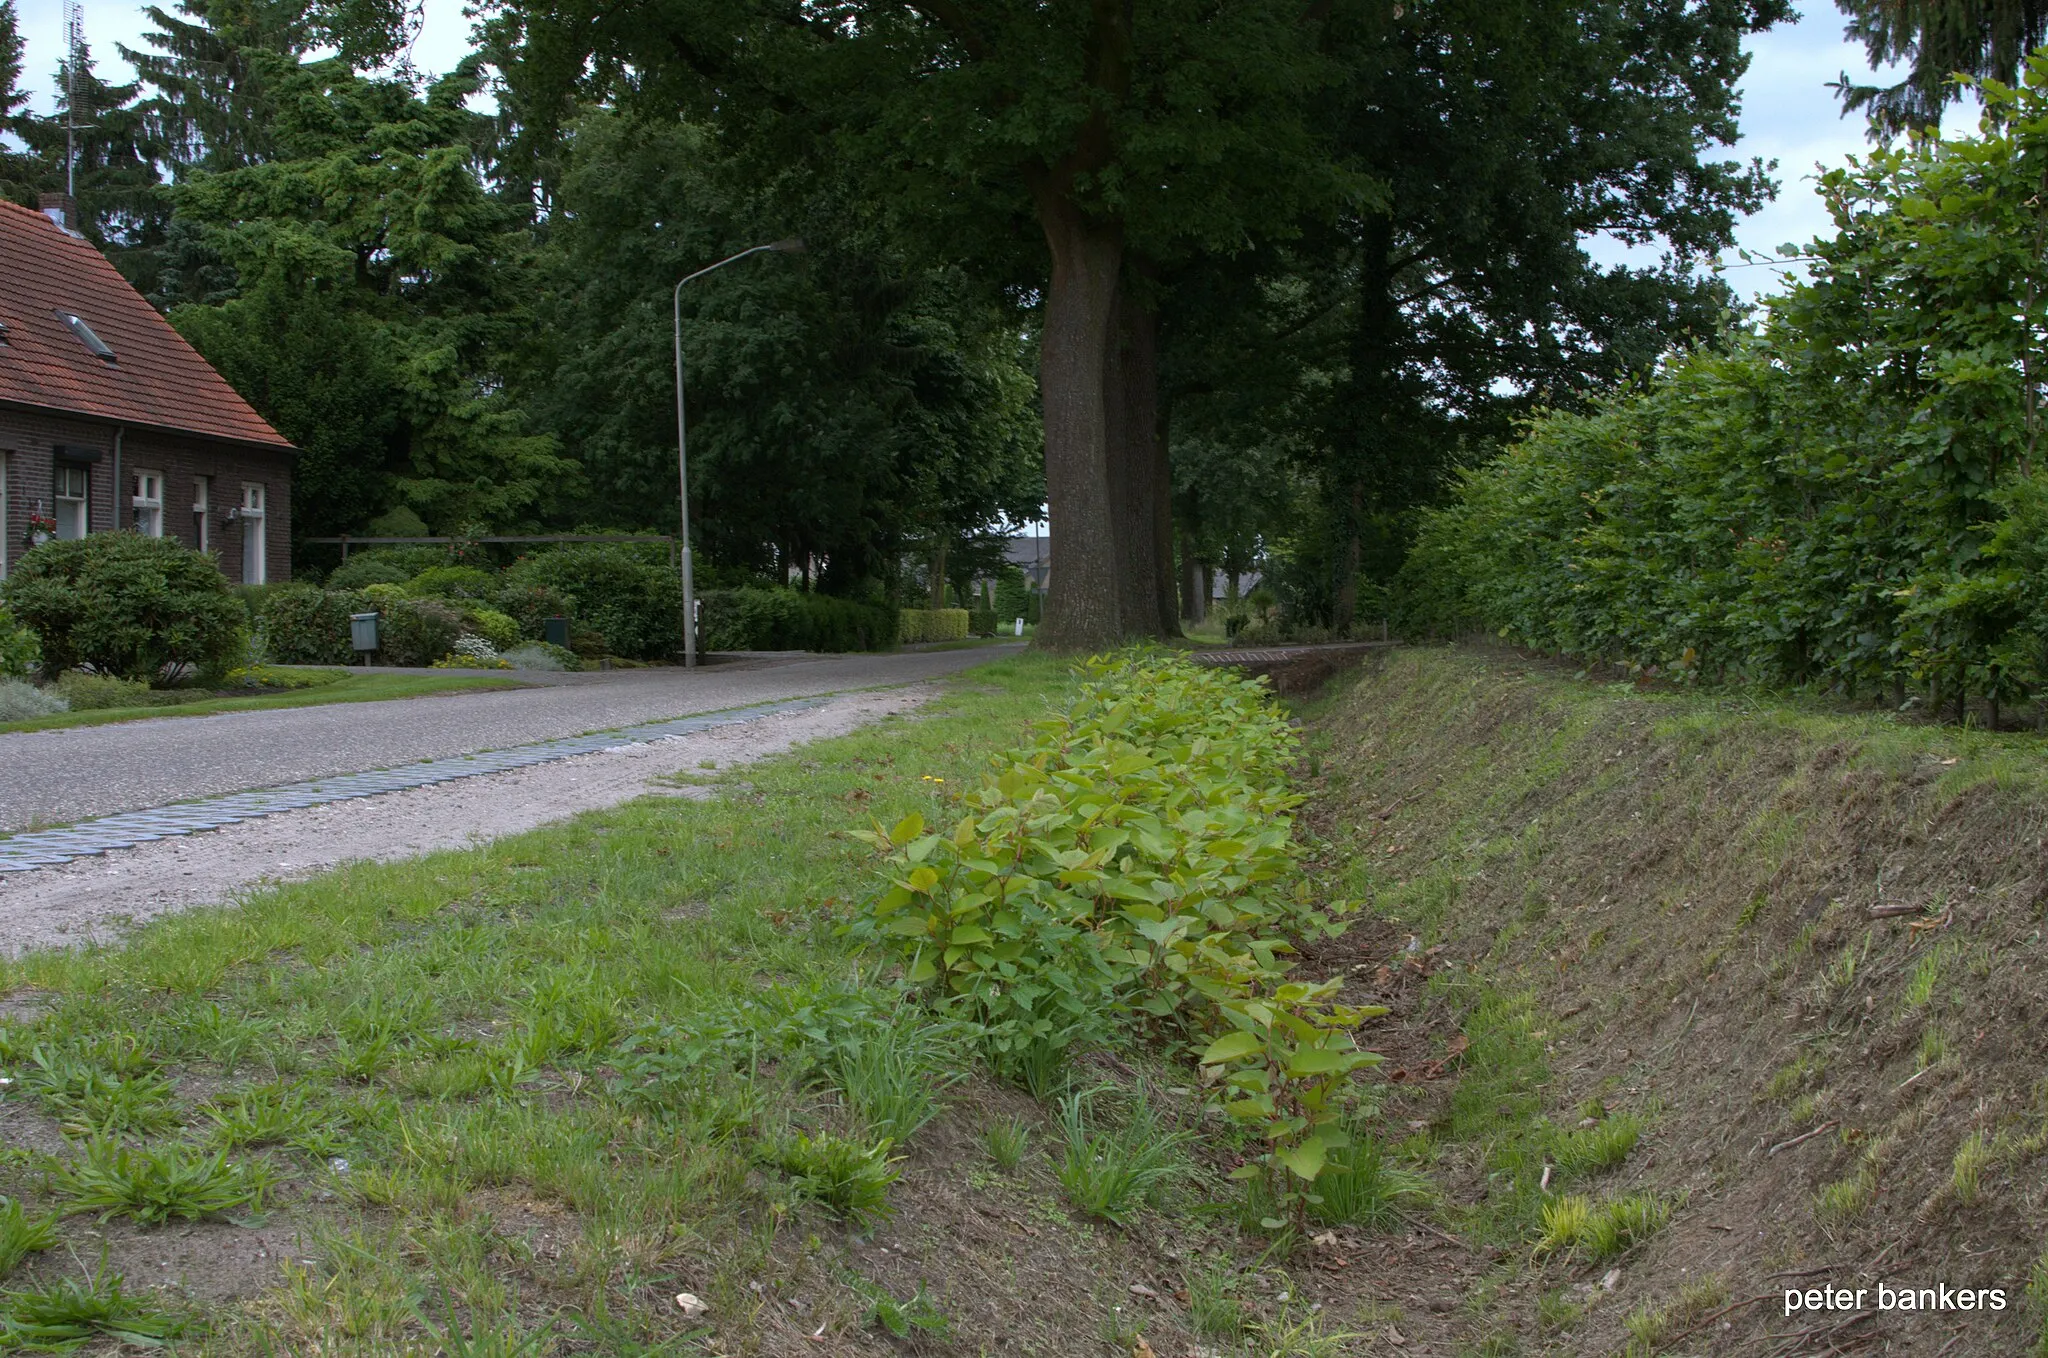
(793, 246)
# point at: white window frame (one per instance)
(202, 508)
(59, 476)
(255, 549)
(148, 501)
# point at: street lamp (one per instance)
(788, 247)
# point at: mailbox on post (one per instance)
(362, 631)
(555, 631)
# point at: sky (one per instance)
(1789, 115)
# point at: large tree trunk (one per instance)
(1082, 608)
(1347, 584)
(939, 576)
(1131, 393)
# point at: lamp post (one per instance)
(683, 445)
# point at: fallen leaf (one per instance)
(1328, 1240)
(817, 1336)
(691, 1305)
(1395, 1337)
(1141, 1349)
(1140, 1290)
(1607, 1283)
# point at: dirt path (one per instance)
(93, 899)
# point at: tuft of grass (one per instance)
(1965, 1175)
(68, 1313)
(1213, 1306)
(1594, 1150)
(263, 1115)
(1575, 1224)
(106, 1089)
(155, 1185)
(1360, 1188)
(1006, 1139)
(22, 1235)
(1650, 1325)
(903, 1319)
(894, 1075)
(1846, 1199)
(852, 1178)
(1110, 1172)
(1292, 1334)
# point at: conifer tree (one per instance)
(1938, 40)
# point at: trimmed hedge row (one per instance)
(753, 619)
(931, 624)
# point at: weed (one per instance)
(903, 1319)
(1213, 1307)
(1971, 1157)
(1110, 1172)
(1650, 1325)
(499, 1339)
(1006, 1139)
(1559, 1310)
(68, 1313)
(1926, 975)
(1594, 1150)
(155, 1185)
(22, 1235)
(1933, 1047)
(851, 1178)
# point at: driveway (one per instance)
(71, 774)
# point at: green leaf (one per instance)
(1306, 1160)
(907, 829)
(1321, 1061)
(1230, 1047)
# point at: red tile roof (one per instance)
(156, 378)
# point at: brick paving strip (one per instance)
(47, 848)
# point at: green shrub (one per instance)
(19, 652)
(931, 624)
(453, 582)
(850, 1177)
(981, 622)
(301, 625)
(417, 632)
(126, 604)
(632, 597)
(1013, 597)
(495, 627)
(20, 700)
(530, 606)
(756, 619)
(385, 566)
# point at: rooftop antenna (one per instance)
(74, 45)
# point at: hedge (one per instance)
(752, 619)
(931, 624)
(302, 625)
(632, 597)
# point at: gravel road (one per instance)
(68, 775)
(98, 899)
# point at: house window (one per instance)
(202, 505)
(255, 562)
(68, 488)
(149, 504)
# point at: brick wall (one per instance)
(27, 440)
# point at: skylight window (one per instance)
(85, 335)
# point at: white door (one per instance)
(255, 560)
(149, 504)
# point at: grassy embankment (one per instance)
(518, 1099)
(357, 688)
(1706, 998)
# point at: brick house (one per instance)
(109, 419)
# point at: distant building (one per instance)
(1033, 556)
(109, 419)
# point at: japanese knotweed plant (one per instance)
(1134, 865)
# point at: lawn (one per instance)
(362, 688)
